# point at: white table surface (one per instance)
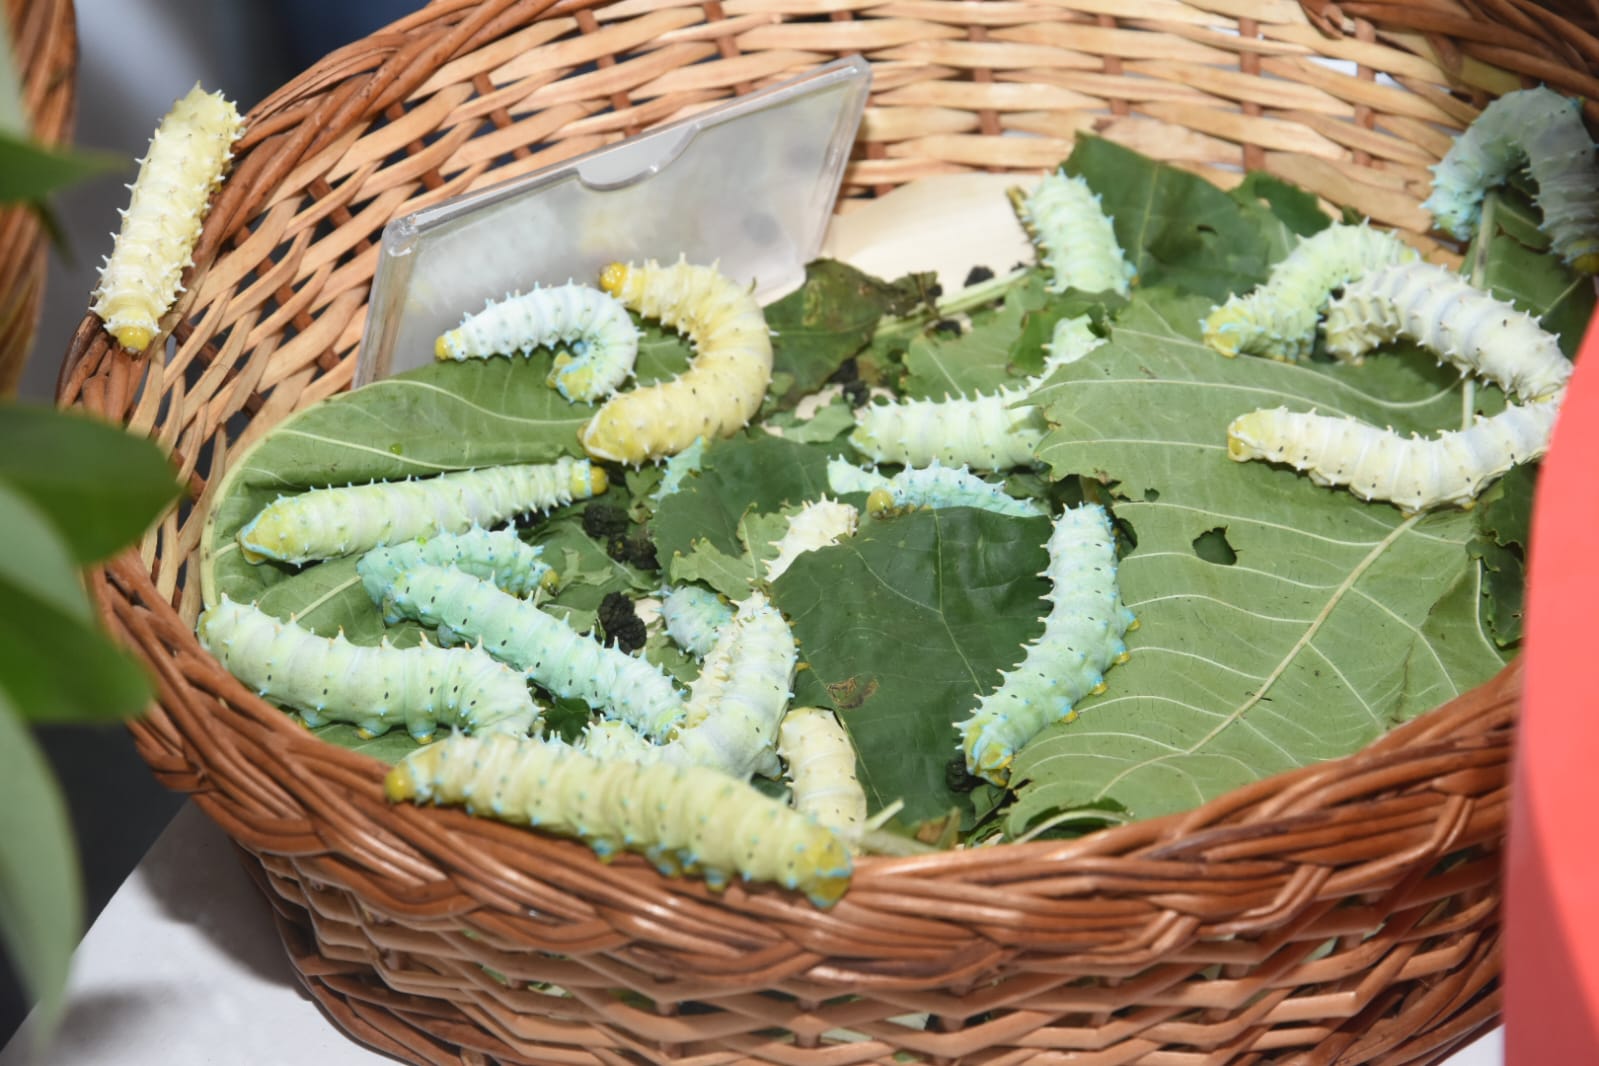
(184, 968)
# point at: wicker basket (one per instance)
(44, 39)
(1344, 913)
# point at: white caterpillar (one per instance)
(325, 523)
(1444, 313)
(1412, 473)
(986, 432)
(1543, 129)
(564, 314)
(816, 525)
(717, 395)
(694, 616)
(499, 556)
(820, 763)
(553, 654)
(685, 820)
(1082, 639)
(187, 158)
(1279, 318)
(331, 680)
(933, 486)
(1064, 217)
(734, 707)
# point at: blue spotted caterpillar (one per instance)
(572, 314)
(331, 680)
(1082, 639)
(349, 520)
(1545, 130)
(683, 819)
(1279, 318)
(187, 158)
(988, 432)
(693, 617)
(718, 394)
(1063, 216)
(553, 654)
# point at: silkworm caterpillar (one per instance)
(739, 698)
(1543, 129)
(552, 653)
(1460, 323)
(571, 314)
(331, 680)
(1279, 318)
(718, 394)
(735, 705)
(1414, 474)
(933, 486)
(986, 432)
(820, 764)
(683, 819)
(1082, 639)
(1064, 217)
(816, 525)
(499, 556)
(324, 523)
(187, 158)
(694, 616)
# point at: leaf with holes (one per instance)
(1281, 623)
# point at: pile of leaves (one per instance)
(1280, 623)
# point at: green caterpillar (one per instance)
(331, 680)
(349, 520)
(683, 819)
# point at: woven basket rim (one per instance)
(313, 815)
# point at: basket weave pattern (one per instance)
(44, 40)
(1347, 912)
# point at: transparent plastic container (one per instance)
(748, 184)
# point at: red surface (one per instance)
(1552, 894)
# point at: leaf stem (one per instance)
(1486, 231)
(967, 299)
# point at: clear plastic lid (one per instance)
(748, 184)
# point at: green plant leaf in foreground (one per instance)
(906, 624)
(41, 893)
(1334, 620)
(99, 486)
(56, 665)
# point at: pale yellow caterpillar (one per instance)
(821, 769)
(351, 519)
(717, 395)
(1413, 473)
(188, 156)
(684, 819)
(1458, 322)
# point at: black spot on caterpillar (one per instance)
(684, 819)
(332, 680)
